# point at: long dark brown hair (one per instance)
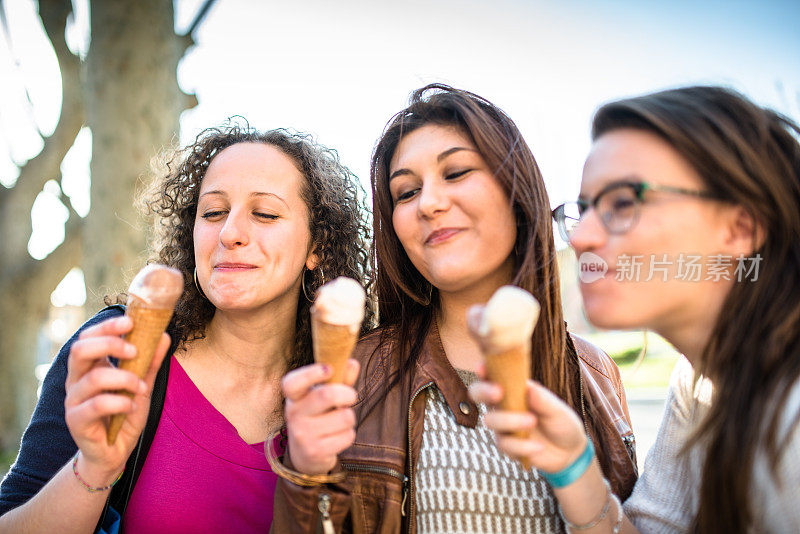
(748, 156)
(338, 221)
(407, 301)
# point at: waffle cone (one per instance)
(148, 325)
(510, 369)
(333, 345)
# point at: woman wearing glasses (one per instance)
(460, 210)
(698, 172)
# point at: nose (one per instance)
(588, 234)
(234, 232)
(433, 199)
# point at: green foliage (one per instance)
(7, 458)
(652, 372)
(627, 356)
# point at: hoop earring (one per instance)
(197, 285)
(303, 282)
(427, 302)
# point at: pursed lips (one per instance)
(233, 267)
(441, 235)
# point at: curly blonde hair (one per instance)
(339, 222)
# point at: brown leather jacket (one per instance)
(378, 494)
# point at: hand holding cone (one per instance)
(335, 323)
(151, 300)
(503, 329)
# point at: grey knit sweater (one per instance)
(665, 498)
(465, 484)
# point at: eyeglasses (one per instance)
(618, 206)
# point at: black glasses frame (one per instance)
(639, 188)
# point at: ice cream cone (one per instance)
(335, 323)
(151, 301)
(503, 329)
(333, 345)
(511, 370)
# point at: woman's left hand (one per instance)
(556, 437)
(319, 419)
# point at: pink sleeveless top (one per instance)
(199, 476)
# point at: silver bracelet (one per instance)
(599, 517)
(618, 522)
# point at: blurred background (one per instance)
(91, 91)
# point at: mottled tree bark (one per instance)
(127, 93)
(25, 283)
(133, 106)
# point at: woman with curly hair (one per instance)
(255, 222)
(460, 210)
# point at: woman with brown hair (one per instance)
(697, 172)
(255, 222)
(460, 209)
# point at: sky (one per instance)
(340, 70)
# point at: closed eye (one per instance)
(406, 195)
(623, 203)
(212, 214)
(458, 174)
(266, 216)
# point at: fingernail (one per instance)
(142, 386)
(326, 369)
(130, 350)
(133, 406)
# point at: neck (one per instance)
(248, 347)
(461, 348)
(690, 332)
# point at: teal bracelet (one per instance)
(573, 471)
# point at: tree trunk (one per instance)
(129, 96)
(26, 284)
(23, 318)
(133, 107)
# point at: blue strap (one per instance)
(111, 523)
(573, 471)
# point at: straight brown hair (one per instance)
(408, 302)
(748, 156)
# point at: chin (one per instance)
(230, 302)
(602, 313)
(461, 274)
(450, 282)
(615, 317)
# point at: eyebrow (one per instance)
(439, 158)
(628, 179)
(253, 194)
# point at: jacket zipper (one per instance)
(583, 404)
(324, 506)
(384, 471)
(376, 469)
(410, 459)
(324, 503)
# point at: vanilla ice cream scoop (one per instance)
(157, 286)
(152, 296)
(340, 302)
(503, 328)
(508, 319)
